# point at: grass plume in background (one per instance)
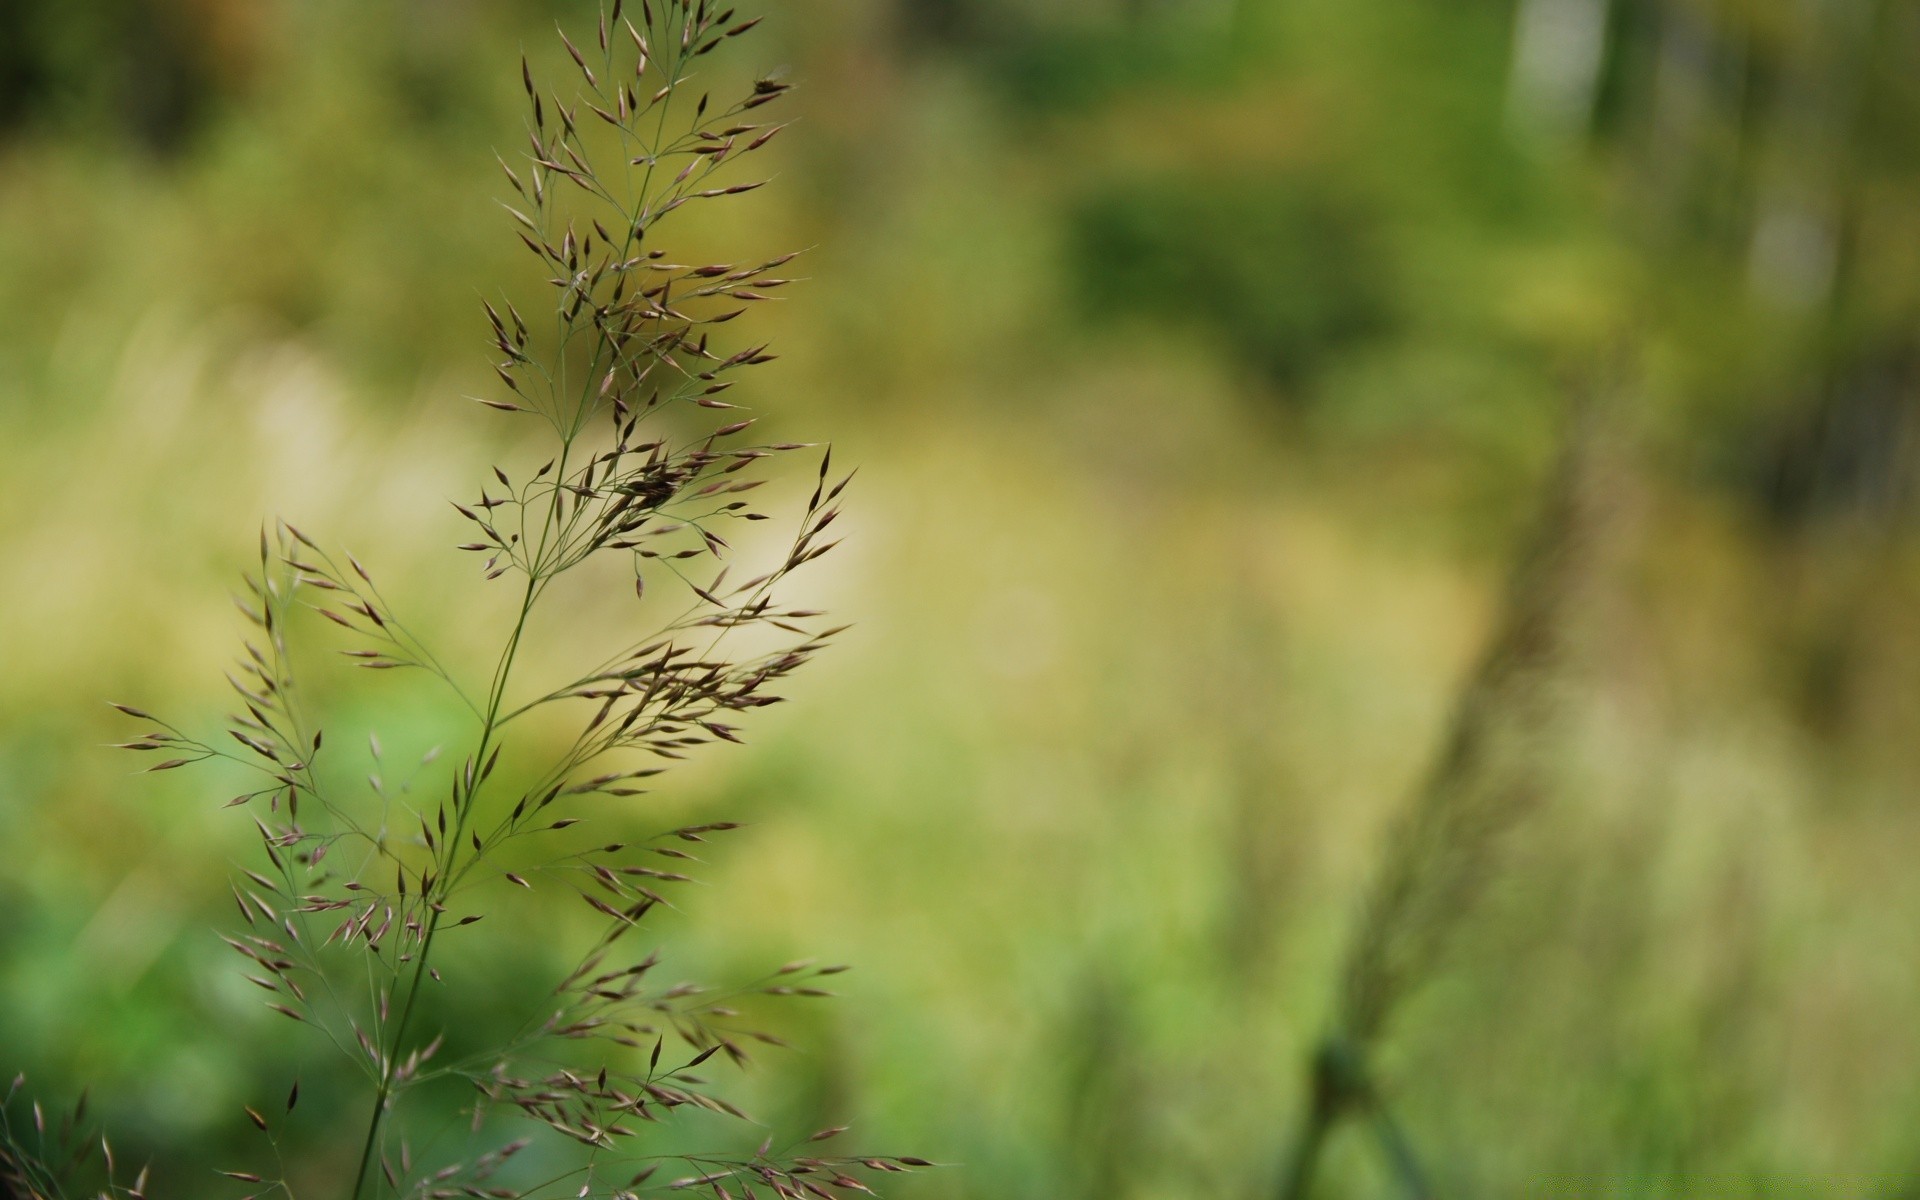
(1444, 852)
(361, 881)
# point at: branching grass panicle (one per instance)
(623, 375)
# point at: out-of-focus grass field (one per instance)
(1202, 359)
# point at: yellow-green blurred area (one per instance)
(1202, 360)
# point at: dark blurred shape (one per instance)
(1277, 266)
(941, 22)
(1849, 446)
(1045, 59)
(20, 70)
(145, 70)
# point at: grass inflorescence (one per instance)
(344, 916)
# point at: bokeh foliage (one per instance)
(1203, 357)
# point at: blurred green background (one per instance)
(1203, 359)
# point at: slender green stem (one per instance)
(1303, 1157)
(1399, 1153)
(489, 727)
(1338, 1087)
